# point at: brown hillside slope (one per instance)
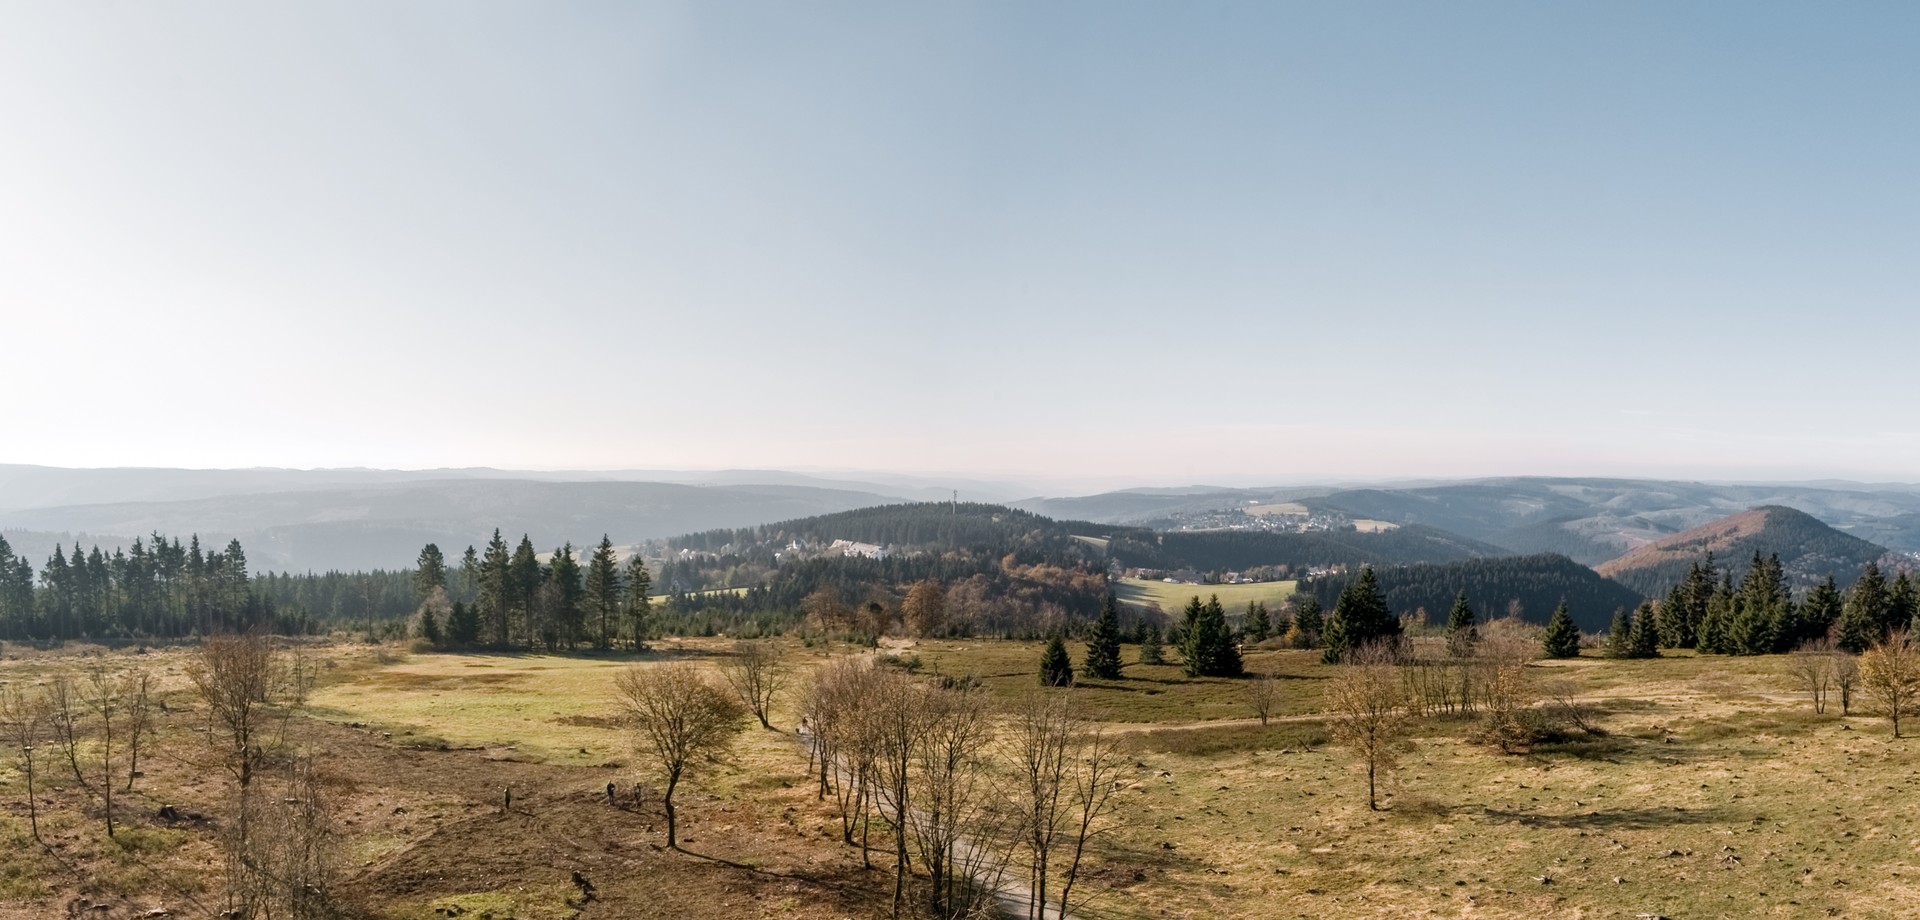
(1716, 537)
(1808, 549)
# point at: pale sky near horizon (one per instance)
(1125, 243)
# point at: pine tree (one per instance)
(1103, 648)
(1855, 630)
(1644, 641)
(1620, 637)
(1463, 631)
(463, 625)
(1903, 602)
(1307, 623)
(569, 616)
(1359, 617)
(1056, 669)
(1676, 631)
(524, 577)
(1818, 613)
(1206, 644)
(1150, 648)
(429, 625)
(603, 593)
(1563, 637)
(1259, 624)
(638, 601)
(1868, 599)
(430, 572)
(496, 589)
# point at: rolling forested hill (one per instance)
(1809, 550)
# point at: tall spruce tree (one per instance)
(1563, 637)
(1867, 599)
(604, 593)
(569, 615)
(1620, 635)
(463, 624)
(1056, 669)
(638, 602)
(1103, 647)
(1259, 624)
(1463, 631)
(1818, 613)
(429, 572)
(1206, 644)
(1644, 640)
(496, 589)
(1360, 616)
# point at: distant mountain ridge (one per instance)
(1807, 547)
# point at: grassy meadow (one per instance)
(1714, 792)
(1172, 597)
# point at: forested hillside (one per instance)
(1536, 584)
(1808, 549)
(1220, 550)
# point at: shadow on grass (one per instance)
(1626, 819)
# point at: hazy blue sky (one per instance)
(1157, 243)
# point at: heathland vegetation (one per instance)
(942, 710)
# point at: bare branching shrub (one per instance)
(1366, 709)
(900, 712)
(1846, 678)
(140, 725)
(236, 676)
(1064, 777)
(289, 849)
(1507, 693)
(1890, 671)
(105, 694)
(680, 719)
(956, 818)
(842, 740)
(65, 712)
(757, 672)
(1812, 668)
(1263, 693)
(23, 716)
(1563, 698)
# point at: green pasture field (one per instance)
(1172, 597)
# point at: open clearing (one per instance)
(1171, 598)
(1716, 793)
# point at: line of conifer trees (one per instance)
(1759, 615)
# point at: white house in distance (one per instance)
(850, 548)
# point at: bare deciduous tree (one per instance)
(1095, 779)
(1890, 671)
(23, 715)
(1043, 730)
(901, 712)
(139, 719)
(105, 695)
(757, 671)
(64, 714)
(680, 719)
(955, 822)
(1262, 693)
(1366, 704)
(1846, 677)
(236, 677)
(1812, 667)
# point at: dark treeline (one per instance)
(1761, 614)
(1219, 550)
(1536, 584)
(157, 588)
(918, 525)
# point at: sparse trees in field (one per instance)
(1563, 637)
(1890, 672)
(680, 720)
(1103, 647)
(1634, 634)
(757, 671)
(1366, 709)
(1262, 693)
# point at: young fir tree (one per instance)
(429, 625)
(1818, 613)
(1103, 648)
(1463, 633)
(1644, 640)
(1359, 617)
(463, 624)
(1151, 651)
(1307, 623)
(430, 572)
(603, 593)
(1903, 602)
(1259, 625)
(1206, 644)
(1854, 632)
(1563, 637)
(1675, 629)
(1620, 636)
(1867, 599)
(1056, 669)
